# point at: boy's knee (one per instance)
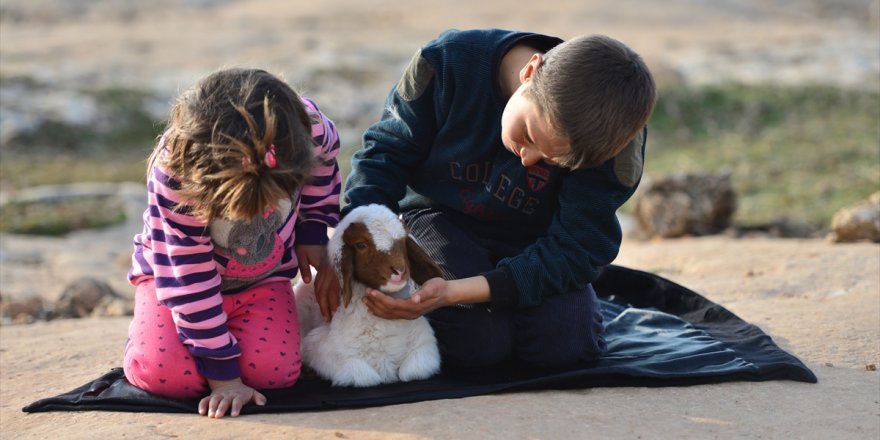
(473, 354)
(556, 355)
(560, 343)
(472, 336)
(564, 330)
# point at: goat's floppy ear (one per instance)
(421, 266)
(346, 269)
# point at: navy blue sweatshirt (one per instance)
(438, 145)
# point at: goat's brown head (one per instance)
(372, 247)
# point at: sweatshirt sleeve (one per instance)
(319, 200)
(398, 143)
(187, 280)
(584, 234)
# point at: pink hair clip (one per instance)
(269, 160)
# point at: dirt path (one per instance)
(819, 301)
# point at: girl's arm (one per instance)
(319, 198)
(187, 281)
(318, 210)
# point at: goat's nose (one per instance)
(397, 273)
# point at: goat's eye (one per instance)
(360, 246)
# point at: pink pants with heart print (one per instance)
(263, 320)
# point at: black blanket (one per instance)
(658, 332)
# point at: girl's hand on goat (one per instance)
(309, 256)
(228, 395)
(326, 283)
(327, 291)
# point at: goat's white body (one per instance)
(359, 349)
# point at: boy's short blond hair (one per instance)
(597, 93)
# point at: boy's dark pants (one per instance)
(563, 330)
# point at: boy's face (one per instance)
(524, 131)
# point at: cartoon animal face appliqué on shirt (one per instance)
(254, 249)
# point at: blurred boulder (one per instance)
(90, 297)
(781, 227)
(685, 204)
(22, 311)
(857, 222)
(114, 306)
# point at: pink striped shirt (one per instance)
(194, 263)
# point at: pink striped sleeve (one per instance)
(181, 258)
(319, 199)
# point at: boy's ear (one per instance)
(531, 67)
(421, 266)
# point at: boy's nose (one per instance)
(528, 157)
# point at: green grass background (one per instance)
(795, 153)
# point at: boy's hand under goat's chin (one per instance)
(430, 296)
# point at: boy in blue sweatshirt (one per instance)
(507, 155)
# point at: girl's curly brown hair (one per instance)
(217, 138)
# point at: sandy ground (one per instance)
(819, 301)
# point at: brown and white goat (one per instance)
(370, 248)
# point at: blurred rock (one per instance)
(685, 204)
(85, 297)
(114, 306)
(22, 311)
(857, 222)
(782, 227)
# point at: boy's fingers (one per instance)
(374, 306)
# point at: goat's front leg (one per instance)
(355, 372)
(423, 361)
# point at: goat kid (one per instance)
(370, 248)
